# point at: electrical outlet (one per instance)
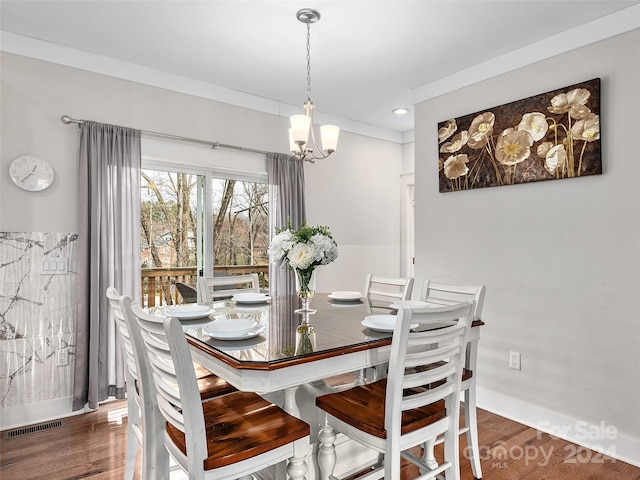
(514, 360)
(62, 356)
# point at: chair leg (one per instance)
(471, 422)
(133, 422)
(297, 465)
(391, 464)
(326, 450)
(452, 454)
(156, 464)
(132, 451)
(428, 455)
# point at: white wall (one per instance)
(561, 259)
(355, 192)
(36, 94)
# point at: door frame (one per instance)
(407, 225)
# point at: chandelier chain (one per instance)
(308, 60)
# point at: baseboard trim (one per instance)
(31, 413)
(603, 438)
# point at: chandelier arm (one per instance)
(316, 152)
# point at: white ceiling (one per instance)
(367, 57)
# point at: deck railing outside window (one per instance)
(158, 284)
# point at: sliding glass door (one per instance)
(196, 223)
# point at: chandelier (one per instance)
(302, 140)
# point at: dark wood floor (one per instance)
(92, 446)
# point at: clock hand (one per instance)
(29, 174)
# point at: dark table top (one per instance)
(336, 327)
(336, 330)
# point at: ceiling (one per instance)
(367, 57)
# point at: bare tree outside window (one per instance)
(168, 219)
(169, 209)
(240, 235)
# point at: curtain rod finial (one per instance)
(66, 119)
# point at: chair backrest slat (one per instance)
(378, 288)
(427, 397)
(426, 362)
(213, 288)
(448, 293)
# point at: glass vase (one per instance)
(305, 288)
(305, 336)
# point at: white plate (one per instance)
(382, 323)
(233, 328)
(346, 296)
(238, 345)
(343, 304)
(195, 322)
(251, 297)
(240, 335)
(250, 307)
(415, 304)
(188, 312)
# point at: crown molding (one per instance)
(53, 53)
(602, 28)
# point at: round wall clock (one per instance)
(31, 173)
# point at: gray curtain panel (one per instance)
(286, 203)
(109, 254)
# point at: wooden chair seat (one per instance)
(223, 438)
(209, 384)
(201, 371)
(242, 425)
(213, 386)
(395, 414)
(363, 407)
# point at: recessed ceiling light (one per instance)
(400, 111)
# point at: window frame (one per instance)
(153, 159)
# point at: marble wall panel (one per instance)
(37, 316)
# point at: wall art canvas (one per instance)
(550, 136)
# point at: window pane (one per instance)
(240, 227)
(168, 234)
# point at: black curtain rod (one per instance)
(67, 119)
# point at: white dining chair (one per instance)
(213, 288)
(419, 398)
(226, 437)
(391, 289)
(447, 293)
(143, 420)
(135, 397)
(382, 289)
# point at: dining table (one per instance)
(285, 350)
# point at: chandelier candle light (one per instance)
(302, 251)
(302, 125)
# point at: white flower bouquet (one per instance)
(303, 250)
